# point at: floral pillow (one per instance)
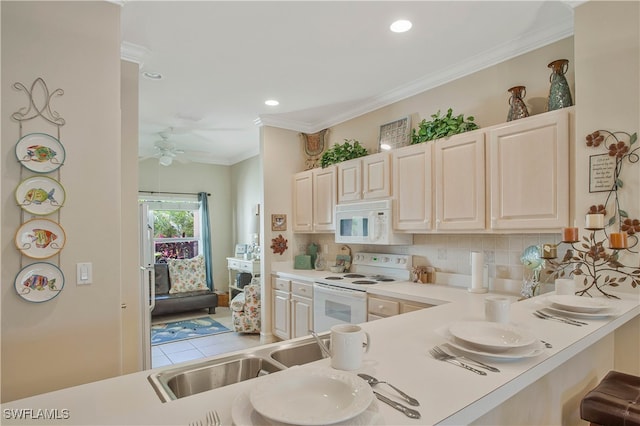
(187, 275)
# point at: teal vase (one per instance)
(559, 93)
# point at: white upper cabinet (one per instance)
(303, 201)
(314, 200)
(460, 182)
(529, 172)
(412, 186)
(324, 199)
(365, 178)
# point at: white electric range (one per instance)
(342, 298)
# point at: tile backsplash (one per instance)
(449, 253)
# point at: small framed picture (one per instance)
(602, 173)
(278, 222)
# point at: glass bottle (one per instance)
(517, 108)
(559, 93)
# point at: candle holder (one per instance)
(597, 255)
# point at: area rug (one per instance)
(187, 329)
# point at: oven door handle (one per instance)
(330, 289)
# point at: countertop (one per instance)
(398, 354)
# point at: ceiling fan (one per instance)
(166, 151)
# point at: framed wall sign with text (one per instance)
(602, 173)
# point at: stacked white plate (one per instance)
(580, 306)
(494, 340)
(305, 396)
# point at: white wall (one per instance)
(75, 337)
(246, 181)
(194, 178)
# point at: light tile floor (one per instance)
(201, 347)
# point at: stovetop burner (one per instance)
(354, 276)
(364, 282)
(333, 278)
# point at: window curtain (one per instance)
(206, 237)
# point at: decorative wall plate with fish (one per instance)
(40, 152)
(40, 195)
(39, 282)
(40, 238)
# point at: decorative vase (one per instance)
(517, 108)
(559, 93)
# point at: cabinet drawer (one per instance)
(282, 284)
(410, 307)
(233, 264)
(383, 307)
(302, 289)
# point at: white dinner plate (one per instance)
(609, 312)
(311, 396)
(491, 336)
(243, 414)
(573, 303)
(533, 350)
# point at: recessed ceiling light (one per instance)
(400, 26)
(271, 102)
(152, 75)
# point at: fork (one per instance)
(213, 419)
(562, 320)
(472, 361)
(196, 423)
(452, 360)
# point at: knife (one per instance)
(406, 410)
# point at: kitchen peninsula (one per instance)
(542, 390)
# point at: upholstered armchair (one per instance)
(245, 309)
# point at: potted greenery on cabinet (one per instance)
(441, 127)
(338, 153)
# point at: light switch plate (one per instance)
(84, 273)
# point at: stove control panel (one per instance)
(383, 260)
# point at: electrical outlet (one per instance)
(84, 273)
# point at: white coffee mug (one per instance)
(496, 309)
(565, 286)
(348, 345)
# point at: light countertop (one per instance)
(398, 354)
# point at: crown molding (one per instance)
(134, 53)
(498, 54)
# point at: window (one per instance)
(176, 227)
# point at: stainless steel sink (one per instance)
(298, 353)
(180, 382)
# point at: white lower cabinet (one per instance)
(292, 313)
(383, 306)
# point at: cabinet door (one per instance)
(349, 180)
(301, 316)
(529, 163)
(303, 201)
(460, 182)
(412, 188)
(281, 314)
(376, 176)
(324, 199)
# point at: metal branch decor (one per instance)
(597, 256)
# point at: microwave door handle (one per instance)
(374, 227)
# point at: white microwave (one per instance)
(368, 223)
